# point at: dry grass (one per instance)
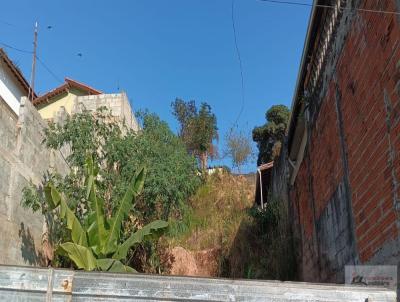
(215, 214)
(251, 243)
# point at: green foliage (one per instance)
(100, 136)
(238, 148)
(270, 135)
(198, 128)
(268, 234)
(96, 242)
(31, 198)
(268, 218)
(172, 174)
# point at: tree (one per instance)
(238, 148)
(171, 172)
(198, 129)
(95, 241)
(269, 136)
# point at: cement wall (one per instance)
(118, 103)
(23, 159)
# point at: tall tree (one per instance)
(198, 129)
(269, 136)
(238, 148)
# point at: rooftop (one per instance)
(69, 83)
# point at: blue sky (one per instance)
(157, 50)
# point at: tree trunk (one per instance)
(203, 161)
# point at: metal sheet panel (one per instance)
(41, 284)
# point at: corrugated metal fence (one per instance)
(42, 284)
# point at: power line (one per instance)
(331, 7)
(37, 57)
(16, 26)
(49, 70)
(15, 48)
(239, 59)
(6, 23)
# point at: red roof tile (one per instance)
(69, 83)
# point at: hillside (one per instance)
(224, 235)
(202, 241)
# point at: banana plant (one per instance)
(98, 246)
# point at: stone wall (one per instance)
(23, 159)
(345, 201)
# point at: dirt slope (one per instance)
(218, 209)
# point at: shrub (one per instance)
(120, 153)
(95, 241)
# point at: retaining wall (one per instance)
(23, 159)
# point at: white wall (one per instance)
(10, 89)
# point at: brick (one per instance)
(365, 69)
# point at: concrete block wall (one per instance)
(23, 159)
(118, 103)
(345, 201)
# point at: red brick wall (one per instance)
(303, 202)
(324, 151)
(362, 153)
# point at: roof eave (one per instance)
(295, 100)
(18, 74)
(69, 83)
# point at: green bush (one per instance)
(172, 173)
(95, 242)
(172, 176)
(263, 247)
(120, 153)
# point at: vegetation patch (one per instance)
(263, 246)
(250, 242)
(119, 154)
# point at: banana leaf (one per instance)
(125, 205)
(149, 230)
(97, 231)
(82, 256)
(55, 199)
(112, 265)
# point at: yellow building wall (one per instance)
(66, 100)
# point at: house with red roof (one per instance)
(73, 96)
(62, 96)
(13, 84)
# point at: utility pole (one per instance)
(32, 84)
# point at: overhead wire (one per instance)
(240, 61)
(17, 26)
(331, 7)
(7, 23)
(44, 65)
(16, 48)
(49, 70)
